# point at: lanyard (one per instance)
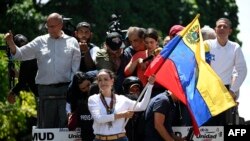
(109, 108)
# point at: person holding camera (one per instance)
(58, 58)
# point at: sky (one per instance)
(244, 35)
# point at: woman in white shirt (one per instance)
(110, 110)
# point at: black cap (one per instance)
(83, 24)
(114, 41)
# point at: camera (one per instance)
(115, 26)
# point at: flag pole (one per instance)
(190, 24)
(190, 134)
(139, 98)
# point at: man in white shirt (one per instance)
(226, 56)
(58, 58)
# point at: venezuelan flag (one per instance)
(181, 68)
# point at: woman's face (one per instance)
(84, 86)
(151, 44)
(105, 82)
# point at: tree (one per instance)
(160, 14)
(21, 17)
(15, 118)
(218, 9)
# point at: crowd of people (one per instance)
(79, 84)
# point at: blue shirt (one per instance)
(57, 59)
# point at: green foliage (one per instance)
(3, 75)
(22, 17)
(216, 10)
(13, 117)
(160, 14)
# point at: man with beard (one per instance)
(84, 35)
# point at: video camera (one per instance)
(68, 27)
(114, 25)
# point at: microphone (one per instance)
(155, 53)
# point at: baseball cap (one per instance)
(175, 29)
(114, 41)
(83, 24)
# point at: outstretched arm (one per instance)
(9, 39)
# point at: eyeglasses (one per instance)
(51, 26)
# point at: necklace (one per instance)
(109, 108)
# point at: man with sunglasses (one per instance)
(58, 58)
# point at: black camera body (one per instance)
(115, 26)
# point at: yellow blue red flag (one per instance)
(181, 68)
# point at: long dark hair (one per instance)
(74, 93)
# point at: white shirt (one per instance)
(225, 60)
(101, 118)
(93, 53)
(57, 59)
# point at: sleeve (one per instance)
(141, 106)
(240, 68)
(68, 108)
(93, 53)
(161, 106)
(76, 58)
(95, 111)
(28, 51)
(132, 65)
(102, 60)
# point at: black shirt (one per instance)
(160, 104)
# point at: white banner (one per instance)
(207, 133)
(55, 134)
